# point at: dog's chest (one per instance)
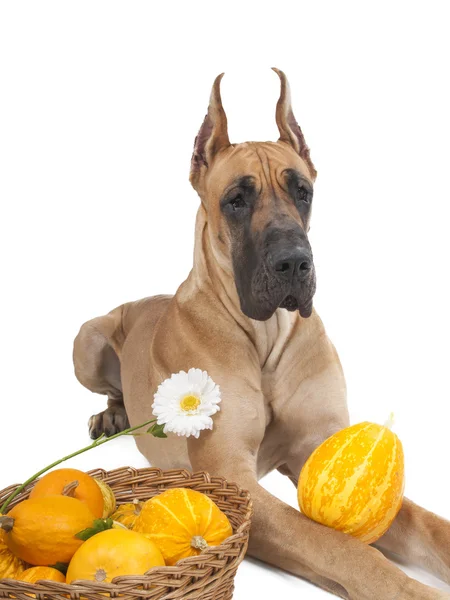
(271, 337)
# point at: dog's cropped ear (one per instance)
(212, 137)
(288, 127)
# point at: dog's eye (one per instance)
(304, 195)
(237, 202)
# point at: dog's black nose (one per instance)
(296, 263)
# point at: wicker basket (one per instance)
(209, 576)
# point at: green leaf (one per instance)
(61, 567)
(157, 431)
(98, 526)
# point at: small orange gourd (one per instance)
(41, 531)
(112, 553)
(182, 523)
(35, 574)
(128, 513)
(109, 499)
(354, 481)
(72, 483)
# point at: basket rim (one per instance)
(240, 536)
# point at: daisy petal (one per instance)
(179, 412)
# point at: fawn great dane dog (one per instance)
(245, 315)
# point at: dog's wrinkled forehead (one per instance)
(215, 161)
(265, 165)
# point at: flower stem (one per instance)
(98, 442)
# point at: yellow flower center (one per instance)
(189, 403)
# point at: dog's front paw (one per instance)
(112, 420)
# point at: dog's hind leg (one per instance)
(420, 537)
(97, 366)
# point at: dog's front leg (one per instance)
(422, 538)
(281, 535)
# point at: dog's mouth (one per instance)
(262, 293)
(289, 303)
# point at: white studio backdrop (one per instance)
(99, 106)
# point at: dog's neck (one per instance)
(213, 274)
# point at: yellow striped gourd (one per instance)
(354, 481)
(182, 523)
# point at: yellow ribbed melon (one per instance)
(182, 522)
(354, 481)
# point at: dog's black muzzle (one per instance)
(291, 265)
(285, 276)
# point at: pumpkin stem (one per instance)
(199, 543)
(6, 523)
(390, 422)
(70, 488)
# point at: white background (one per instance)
(100, 104)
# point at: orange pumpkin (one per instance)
(72, 483)
(128, 513)
(354, 481)
(41, 531)
(112, 553)
(182, 523)
(35, 574)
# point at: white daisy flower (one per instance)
(185, 402)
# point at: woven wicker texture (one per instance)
(208, 576)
